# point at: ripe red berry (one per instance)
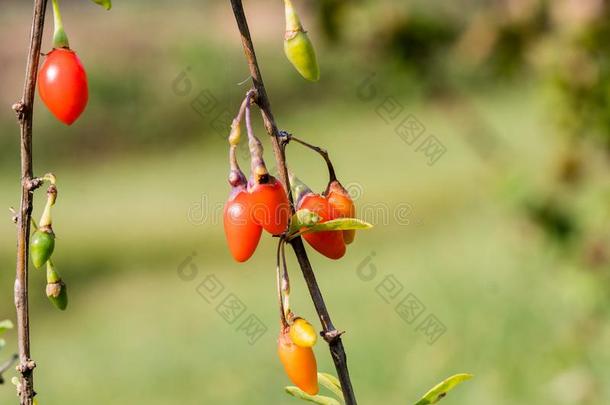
(241, 231)
(271, 206)
(328, 243)
(62, 85)
(341, 206)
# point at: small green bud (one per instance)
(299, 189)
(42, 245)
(58, 294)
(298, 47)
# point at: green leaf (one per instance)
(107, 4)
(2, 343)
(331, 383)
(440, 390)
(316, 399)
(5, 325)
(339, 224)
(303, 219)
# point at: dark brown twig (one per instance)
(330, 334)
(24, 110)
(286, 138)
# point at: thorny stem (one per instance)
(330, 333)
(286, 138)
(24, 110)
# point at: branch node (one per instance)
(254, 99)
(26, 367)
(15, 216)
(284, 137)
(33, 184)
(331, 336)
(19, 108)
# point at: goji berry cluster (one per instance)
(326, 221)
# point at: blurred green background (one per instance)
(504, 237)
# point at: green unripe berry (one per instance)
(58, 294)
(298, 47)
(42, 245)
(299, 51)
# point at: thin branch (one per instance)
(330, 334)
(286, 138)
(6, 365)
(24, 110)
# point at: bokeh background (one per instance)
(504, 237)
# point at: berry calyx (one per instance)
(299, 363)
(60, 39)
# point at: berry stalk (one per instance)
(258, 167)
(60, 39)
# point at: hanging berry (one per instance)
(341, 206)
(271, 206)
(62, 81)
(298, 47)
(57, 291)
(328, 243)
(42, 242)
(241, 231)
(42, 245)
(299, 363)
